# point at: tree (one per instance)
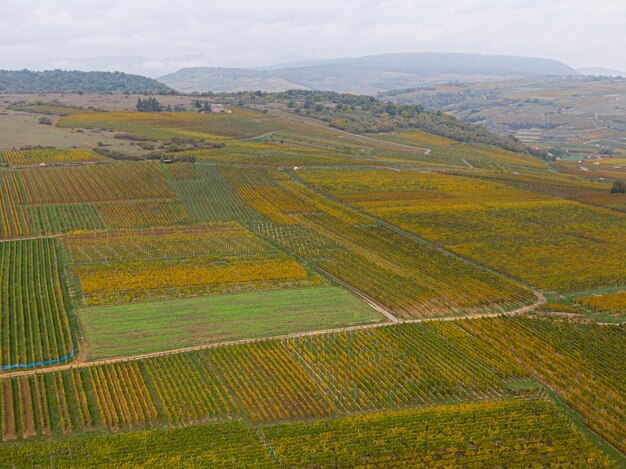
(618, 187)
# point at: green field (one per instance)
(151, 327)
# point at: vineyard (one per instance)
(612, 303)
(33, 304)
(47, 156)
(79, 184)
(214, 445)
(557, 245)
(262, 289)
(130, 266)
(13, 218)
(329, 374)
(166, 125)
(584, 363)
(529, 433)
(411, 278)
(335, 375)
(462, 155)
(48, 220)
(206, 195)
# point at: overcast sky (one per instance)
(248, 32)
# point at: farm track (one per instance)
(26, 238)
(85, 364)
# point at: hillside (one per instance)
(261, 288)
(363, 114)
(61, 81)
(369, 74)
(583, 114)
(225, 80)
(601, 71)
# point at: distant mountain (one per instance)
(600, 71)
(226, 80)
(60, 81)
(370, 74)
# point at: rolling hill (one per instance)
(370, 74)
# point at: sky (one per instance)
(155, 37)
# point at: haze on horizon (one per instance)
(158, 37)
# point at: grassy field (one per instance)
(151, 327)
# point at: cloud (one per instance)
(37, 33)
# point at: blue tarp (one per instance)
(41, 363)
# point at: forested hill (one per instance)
(61, 81)
(366, 114)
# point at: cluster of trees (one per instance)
(618, 187)
(204, 105)
(151, 104)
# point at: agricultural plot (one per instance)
(142, 213)
(13, 218)
(584, 363)
(562, 186)
(410, 278)
(231, 445)
(530, 432)
(55, 219)
(268, 382)
(50, 156)
(453, 153)
(256, 239)
(258, 189)
(557, 245)
(406, 366)
(168, 125)
(611, 303)
(272, 154)
(33, 304)
(100, 183)
(143, 328)
(423, 364)
(130, 266)
(206, 196)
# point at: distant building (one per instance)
(219, 108)
(214, 108)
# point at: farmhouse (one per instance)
(219, 108)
